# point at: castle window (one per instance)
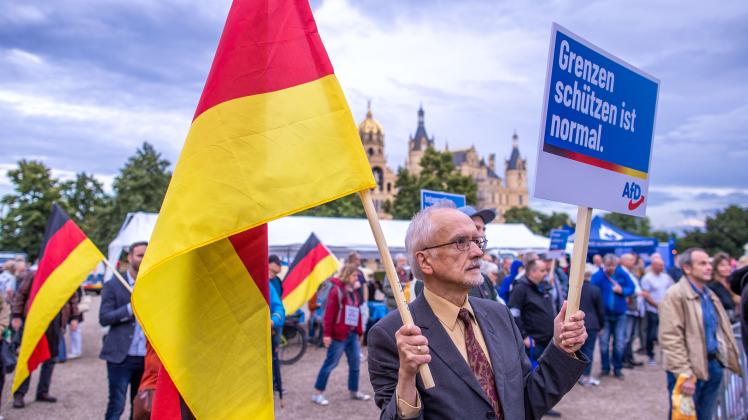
(378, 177)
(370, 151)
(520, 200)
(389, 187)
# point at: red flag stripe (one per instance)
(264, 49)
(58, 248)
(252, 248)
(303, 268)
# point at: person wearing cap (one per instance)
(481, 218)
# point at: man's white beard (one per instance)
(470, 283)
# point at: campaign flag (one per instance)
(66, 258)
(272, 136)
(312, 264)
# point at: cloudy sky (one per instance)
(84, 83)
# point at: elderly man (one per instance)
(695, 335)
(654, 285)
(614, 286)
(473, 348)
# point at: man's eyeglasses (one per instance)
(463, 244)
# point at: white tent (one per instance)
(340, 235)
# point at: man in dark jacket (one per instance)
(591, 303)
(472, 346)
(54, 334)
(124, 346)
(739, 285)
(533, 309)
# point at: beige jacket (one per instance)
(682, 333)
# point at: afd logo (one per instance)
(633, 192)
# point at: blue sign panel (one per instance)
(597, 128)
(429, 198)
(559, 238)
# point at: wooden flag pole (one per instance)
(578, 260)
(118, 275)
(389, 268)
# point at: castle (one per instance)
(493, 191)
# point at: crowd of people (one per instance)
(632, 306)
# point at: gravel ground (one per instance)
(81, 387)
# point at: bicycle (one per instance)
(292, 344)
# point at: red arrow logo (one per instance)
(633, 206)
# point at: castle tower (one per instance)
(516, 177)
(417, 145)
(372, 138)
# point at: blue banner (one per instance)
(599, 109)
(429, 198)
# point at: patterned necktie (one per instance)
(479, 364)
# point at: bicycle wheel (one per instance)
(292, 348)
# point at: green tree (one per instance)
(140, 186)
(727, 231)
(531, 218)
(555, 220)
(438, 173)
(538, 222)
(27, 208)
(348, 206)
(85, 201)
(636, 225)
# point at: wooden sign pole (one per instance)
(118, 275)
(578, 260)
(389, 268)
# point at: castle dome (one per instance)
(369, 125)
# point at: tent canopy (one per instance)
(606, 238)
(340, 235)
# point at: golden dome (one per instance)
(369, 124)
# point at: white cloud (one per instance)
(22, 57)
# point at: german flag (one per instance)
(312, 264)
(272, 136)
(67, 256)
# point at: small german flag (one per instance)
(67, 256)
(312, 265)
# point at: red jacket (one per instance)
(335, 326)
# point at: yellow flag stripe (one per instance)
(304, 291)
(254, 159)
(52, 296)
(210, 324)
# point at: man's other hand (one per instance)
(569, 336)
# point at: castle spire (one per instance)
(368, 109)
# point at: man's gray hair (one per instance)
(686, 258)
(419, 232)
(610, 258)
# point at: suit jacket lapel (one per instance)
(493, 344)
(442, 346)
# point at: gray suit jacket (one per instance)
(524, 393)
(114, 314)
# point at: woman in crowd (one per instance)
(342, 333)
(721, 270)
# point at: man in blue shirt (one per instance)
(124, 344)
(614, 286)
